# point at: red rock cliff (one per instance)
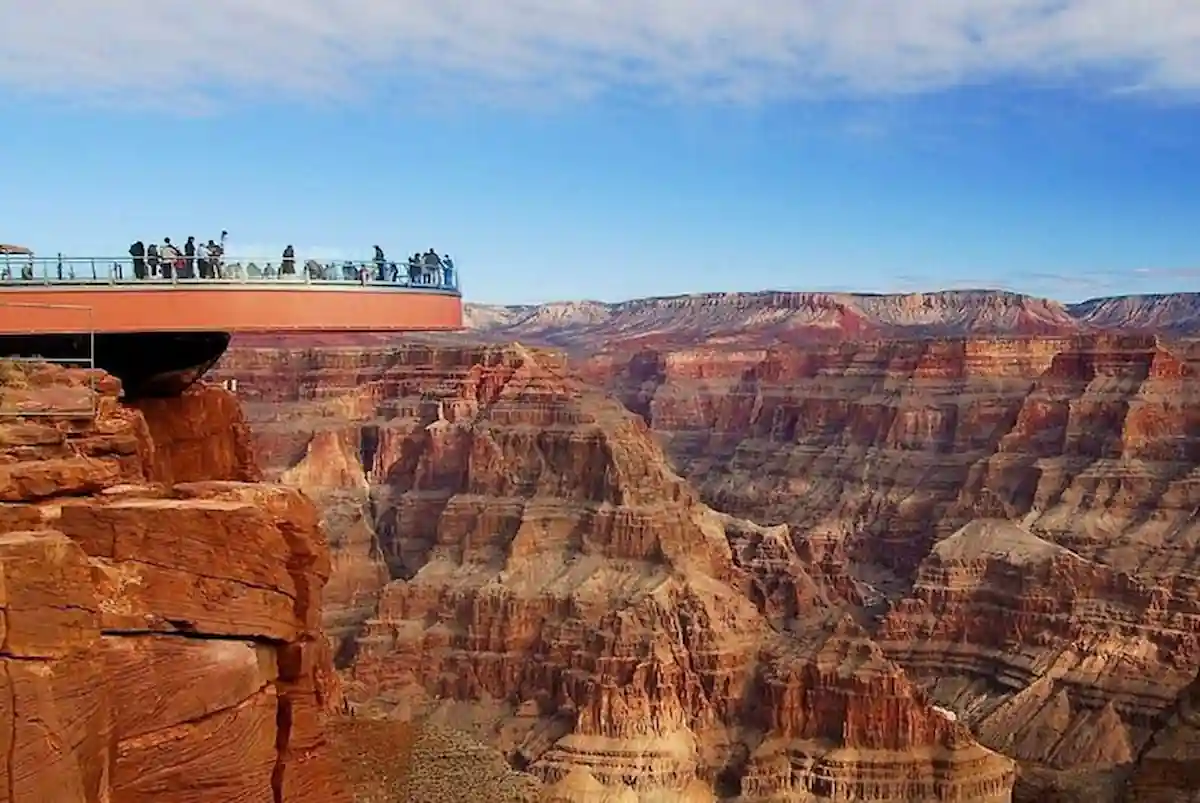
(160, 634)
(865, 457)
(552, 581)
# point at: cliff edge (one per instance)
(160, 634)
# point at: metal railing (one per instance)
(17, 399)
(23, 271)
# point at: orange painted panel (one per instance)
(225, 309)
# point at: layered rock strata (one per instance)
(1168, 771)
(867, 455)
(1062, 651)
(560, 588)
(1051, 657)
(160, 640)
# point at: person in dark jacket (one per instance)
(380, 264)
(138, 252)
(433, 267)
(152, 258)
(189, 259)
(288, 266)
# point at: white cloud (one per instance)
(738, 50)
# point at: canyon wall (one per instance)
(549, 582)
(1061, 631)
(160, 638)
(1011, 520)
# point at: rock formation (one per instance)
(867, 460)
(1168, 771)
(555, 585)
(1051, 657)
(161, 639)
(877, 454)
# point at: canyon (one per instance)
(790, 572)
(986, 498)
(521, 561)
(1015, 516)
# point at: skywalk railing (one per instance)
(18, 270)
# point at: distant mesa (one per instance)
(775, 318)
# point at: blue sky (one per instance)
(609, 150)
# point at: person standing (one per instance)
(203, 264)
(138, 252)
(153, 259)
(433, 268)
(380, 262)
(189, 259)
(219, 264)
(170, 259)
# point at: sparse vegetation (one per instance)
(399, 762)
(13, 375)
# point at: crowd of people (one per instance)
(167, 261)
(207, 260)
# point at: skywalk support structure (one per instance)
(160, 335)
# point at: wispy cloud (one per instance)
(1168, 273)
(743, 51)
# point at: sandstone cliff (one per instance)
(867, 459)
(553, 584)
(1053, 658)
(1062, 651)
(160, 635)
(1168, 771)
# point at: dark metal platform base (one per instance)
(147, 363)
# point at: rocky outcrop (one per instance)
(161, 640)
(557, 586)
(332, 475)
(1168, 771)
(1051, 657)
(201, 435)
